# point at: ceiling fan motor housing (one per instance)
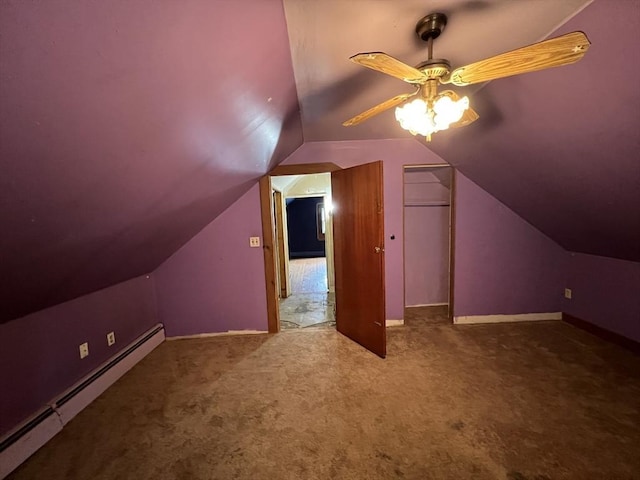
(431, 26)
(435, 68)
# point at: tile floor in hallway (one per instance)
(310, 304)
(308, 310)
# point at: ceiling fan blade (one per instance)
(387, 64)
(555, 52)
(381, 107)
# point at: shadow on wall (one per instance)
(74, 269)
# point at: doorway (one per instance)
(427, 243)
(304, 249)
(358, 228)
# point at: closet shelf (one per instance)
(427, 204)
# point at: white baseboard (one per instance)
(518, 317)
(394, 323)
(16, 453)
(69, 404)
(218, 334)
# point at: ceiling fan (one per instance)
(433, 111)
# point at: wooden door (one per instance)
(280, 239)
(359, 255)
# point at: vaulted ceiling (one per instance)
(126, 127)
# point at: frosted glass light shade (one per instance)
(417, 118)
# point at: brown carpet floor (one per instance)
(427, 315)
(520, 402)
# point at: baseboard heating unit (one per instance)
(27, 438)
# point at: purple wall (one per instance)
(426, 235)
(606, 292)
(395, 153)
(39, 356)
(426, 255)
(216, 281)
(503, 265)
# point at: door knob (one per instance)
(378, 249)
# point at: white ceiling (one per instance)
(302, 185)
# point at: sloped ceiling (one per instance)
(560, 147)
(126, 127)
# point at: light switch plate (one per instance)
(254, 241)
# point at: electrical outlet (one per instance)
(111, 338)
(84, 350)
(567, 293)
(254, 241)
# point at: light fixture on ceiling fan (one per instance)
(432, 111)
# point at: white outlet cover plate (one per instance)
(84, 350)
(254, 241)
(111, 338)
(567, 293)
